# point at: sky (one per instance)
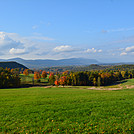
(62, 29)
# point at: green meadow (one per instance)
(29, 80)
(128, 82)
(66, 110)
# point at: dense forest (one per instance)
(9, 78)
(91, 78)
(96, 76)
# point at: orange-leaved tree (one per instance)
(44, 74)
(56, 83)
(26, 72)
(37, 75)
(63, 80)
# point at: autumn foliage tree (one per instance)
(15, 71)
(51, 78)
(63, 80)
(44, 74)
(57, 83)
(8, 79)
(26, 72)
(37, 75)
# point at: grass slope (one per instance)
(66, 110)
(128, 82)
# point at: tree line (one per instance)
(9, 78)
(91, 78)
(83, 78)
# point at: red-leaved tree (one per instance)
(63, 80)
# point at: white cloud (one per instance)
(99, 50)
(17, 51)
(127, 51)
(64, 48)
(130, 49)
(6, 42)
(12, 44)
(34, 47)
(93, 50)
(123, 54)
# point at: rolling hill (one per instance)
(12, 64)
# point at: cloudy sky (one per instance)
(57, 29)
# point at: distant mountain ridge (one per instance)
(39, 63)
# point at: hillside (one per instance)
(40, 63)
(12, 64)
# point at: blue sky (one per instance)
(57, 29)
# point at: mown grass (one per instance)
(66, 110)
(128, 82)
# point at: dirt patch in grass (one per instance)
(102, 88)
(119, 87)
(129, 86)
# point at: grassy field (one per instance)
(29, 80)
(66, 110)
(128, 82)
